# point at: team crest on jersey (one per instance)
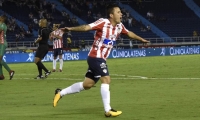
(105, 71)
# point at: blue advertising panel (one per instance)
(17, 57)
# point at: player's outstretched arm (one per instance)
(134, 36)
(78, 28)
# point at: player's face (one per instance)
(117, 15)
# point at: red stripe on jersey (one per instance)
(106, 54)
(58, 43)
(104, 30)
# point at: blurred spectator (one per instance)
(82, 44)
(41, 14)
(1, 3)
(53, 6)
(127, 14)
(130, 44)
(35, 20)
(195, 34)
(142, 29)
(150, 15)
(120, 39)
(17, 37)
(22, 29)
(148, 27)
(69, 34)
(130, 22)
(30, 28)
(30, 16)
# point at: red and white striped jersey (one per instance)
(105, 37)
(57, 43)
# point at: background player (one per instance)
(3, 46)
(57, 38)
(107, 31)
(42, 50)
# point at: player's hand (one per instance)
(34, 43)
(66, 29)
(145, 42)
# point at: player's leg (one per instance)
(105, 85)
(4, 64)
(90, 80)
(105, 94)
(1, 73)
(1, 56)
(60, 59)
(40, 54)
(74, 88)
(37, 59)
(44, 52)
(55, 55)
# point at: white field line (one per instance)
(49, 78)
(122, 77)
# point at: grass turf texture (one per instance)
(159, 97)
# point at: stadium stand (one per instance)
(172, 17)
(175, 21)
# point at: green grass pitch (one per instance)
(149, 88)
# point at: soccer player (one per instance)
(107, 31)
(42, 50)
(56, 37)
(3, 46)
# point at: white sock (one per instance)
(105, 94)
(61, 63)
(75, 88)
(54, 64)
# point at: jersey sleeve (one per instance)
(97, 24)
(124, 30)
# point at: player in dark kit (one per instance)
(42, 50)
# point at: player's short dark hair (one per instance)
(110, 7)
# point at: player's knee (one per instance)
(36, 60)
(87, 86)
(60, 56)
(89, 81)
(105, 79)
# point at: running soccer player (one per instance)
(3, 46)
(107, 31)
(42, 50)
(57, 38)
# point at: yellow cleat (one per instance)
(113, 113)
(57, 97)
